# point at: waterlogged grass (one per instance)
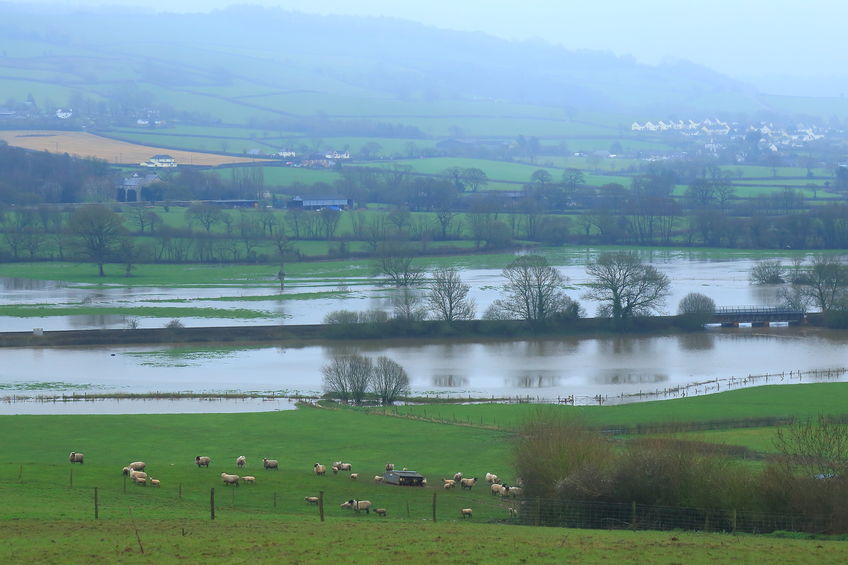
(28, 311)
(34, 386)
(182, 356)
(368, 539)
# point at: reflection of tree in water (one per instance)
(625, 377)
(625, 345)
(766, 294)
(699, 341)
(450, 381)
(96, 321)
(536, 380)
(11, 283)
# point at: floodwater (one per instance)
(587, 370)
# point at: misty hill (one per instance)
(253, 63)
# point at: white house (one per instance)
(160, 161)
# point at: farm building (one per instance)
(165, 161)
(137, 187)
(320, 203)
(403, 478)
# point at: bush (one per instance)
(174, 324)
(697, 309)
(768, 272)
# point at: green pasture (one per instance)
(799, 400)
(41, 311)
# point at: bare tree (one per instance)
(825, 283)
(348, 377)
(394, 260)
(207, 215)
(625, 286)
(816, 447)
(407, 306)
(448, 296)
(389, 381)
(534, 292)
(99, 232)
(768, 272)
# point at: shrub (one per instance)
(768, 272)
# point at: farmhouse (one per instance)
(162, 161)
(136, 187)
(403, 478)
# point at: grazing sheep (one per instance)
(241, 461)
(154, 482)
(378, 478)
(497, 489)
(358, 505)
(380, 511)
(424, 482)
(343, 466)
(75, 457)
(467, 483)
(311, 499)
(140, 480)
(270, 464)
(137, 474)
(465, 512)
(335, 470)
(457, 477)
(320, 470)
(202, 461)
(230, 479)
(492, 479)
(512, 511)
(249, 479)
(137, 466)
(354, 476)
(448, 483)
(514, 492)
(390, 466)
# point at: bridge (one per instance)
(757, 315)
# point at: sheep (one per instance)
(514, 492)
(390, 466)
(343, 466)
(378, 478)
(75, 457)
(311, 499)
(335, 470)
(457, 477)
(512, 511)
(497, 489)
(492, 479)
(380, 511)
(249, 479)
(358, 505)
(424, 482)
(467, 483)
(270, 464)
(320, 470)
(241, 461)
(137, 466)
(448, 483)
(137, 474)
(230, 479)
(202, 461)
(465, 512)
(140, 480)
(154, 482)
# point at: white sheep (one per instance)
(512, 511)
(249, 479)
(270, 464)
(230, 479)
(202, 461)
(380, 511)
(137, 474)
(155, 482)
(319, 469)
(354, 476)
(241, 461)
(137, 465)
(491, 478)
(390, 466)
(497, 489)
(457, 477)
(358, 505)
(514, 492)
(75, 457)
(311, 499)
(465, 512)
(343, 466)
(448, 483)
(378, 478)
(335, 470)
(467, 483)
(140, 480)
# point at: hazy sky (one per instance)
(743, 38)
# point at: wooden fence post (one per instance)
(434, 507)
(212, 503)
(321, 504)
(538, 511)
(633, 515)
(96, 509)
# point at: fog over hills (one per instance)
(368, 57)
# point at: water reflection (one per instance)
(98, 321)
(698, 341)
(450, 381)
(534, 380)
(8, 283)
(629, 377)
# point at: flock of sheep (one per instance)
(136, 472)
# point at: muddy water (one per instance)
(616, 368)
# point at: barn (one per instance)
(403, 478)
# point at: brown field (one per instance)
(84, 144)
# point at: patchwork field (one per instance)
(84, 144)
